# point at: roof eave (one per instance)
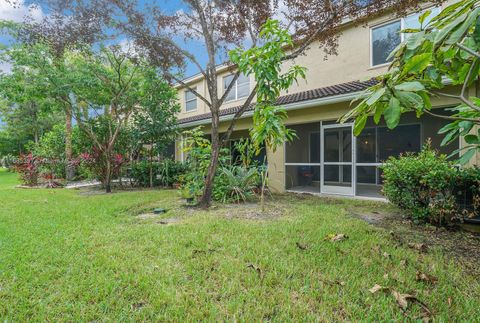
(289, 107)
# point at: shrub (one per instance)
(28, 166)
(102, 168)
(235, 184)
(165, 173)
(427, 185)
(198, 150)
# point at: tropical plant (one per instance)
(104, 169)
(198, 151)
(445, 51)
(28, 167)
(235, 184)
(265, 63)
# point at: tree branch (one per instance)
(188, 87)
(452, 118)
(468, 50)
(238, 114)
(461, 98)
(229, 88)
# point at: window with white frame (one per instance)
(240, 90)
(385, 38)
(190, 101)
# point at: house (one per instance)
(326, 158)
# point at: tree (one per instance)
(108, 87)
(155, 120)
(57, 32)
(221, 25)
(265, 63)
(447, 48)
(27, 113)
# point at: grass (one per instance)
(67, 256)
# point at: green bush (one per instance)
(428, 186)
(235, 184)
(165, 173)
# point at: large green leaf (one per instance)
(444, 32)
(375, 96)
(451, 136)
(467, 156)
(359, 124)
(424, 16)
(415, 40)
(410, 86)
(392, 113)
(458, 34)
(476, 32)
(417, 63)
(380, 108)
(410, 100)
(472, 139)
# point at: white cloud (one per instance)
(18, 10)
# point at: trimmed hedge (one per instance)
(431, 188)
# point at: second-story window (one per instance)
(190, 101)
(241, 88)
(387, 37)
(384, 39)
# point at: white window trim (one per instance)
(191, 100)
(234, 89)
(402, 35)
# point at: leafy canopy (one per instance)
(446, 50)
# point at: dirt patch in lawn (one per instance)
(253, 211)
(456, 243)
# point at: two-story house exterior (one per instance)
(326, 158)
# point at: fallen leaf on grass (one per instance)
(301, 246)
(403, 299)
(426, 278)
(387, 255)
(418, 246)
(449, 301)
(257, 269)
(376, 288)
(335, 237)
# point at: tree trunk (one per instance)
(151, 166)
(264, 182)
(70, 170)
(108, 175)
(212, 168)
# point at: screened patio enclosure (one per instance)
(326, 157)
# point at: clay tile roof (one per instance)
(333, 90)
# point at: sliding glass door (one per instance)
(337, 159)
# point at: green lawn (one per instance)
(68, 256)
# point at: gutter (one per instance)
(288, 107)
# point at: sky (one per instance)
(24, 7)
